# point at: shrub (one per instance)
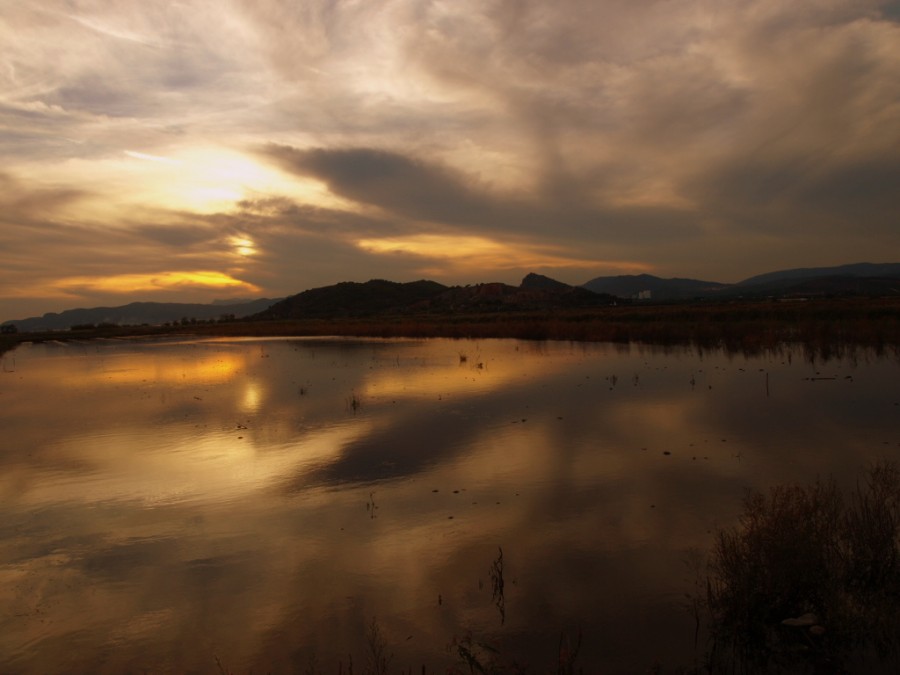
(809, 577)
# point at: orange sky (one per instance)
(200, 150)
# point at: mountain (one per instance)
(649, 287)
(350, 298)
(535, 293)
(497, 297)
(856, 279)
(855, 271)
(859, 279)
(539, 282)
(829, 286)
(138, 313)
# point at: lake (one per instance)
(290, 505)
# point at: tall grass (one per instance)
(809, 578)
(827, 328)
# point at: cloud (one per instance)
(815, 151)
(50, 257)
(125, 284)
(426, 193)
(467, 256)
(17, 201)
(688, 138)
(391, 181)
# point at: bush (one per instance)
(809, 577)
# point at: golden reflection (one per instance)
(460, 374)
(251, 397)
(207, 369)
(213, 468)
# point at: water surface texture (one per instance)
(255, 505)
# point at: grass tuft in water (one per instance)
(809, 578)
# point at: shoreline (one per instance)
(743, 326)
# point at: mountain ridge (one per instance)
(850, 279)
(648, 286)
(351, 299)
(536, 292)
(137, 313)
(854, 270)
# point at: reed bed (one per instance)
(824, 327)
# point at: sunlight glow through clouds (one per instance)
(152, 158)
(243, 246)
(473, 253)
(205, 180)
(129, 283)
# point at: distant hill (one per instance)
(855, 271)
(139, 313)
(539, 282)
(649, 287)
(535, 293)
(856, 279)
(859, 279)
(831, 286)
(349, 298)
(497, 297)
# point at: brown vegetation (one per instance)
(809, 580)
(825, 327)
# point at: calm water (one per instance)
(166, 504)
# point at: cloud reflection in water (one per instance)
(168, 503)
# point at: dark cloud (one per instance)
(423, 193)
(399, 184)
(865, 191)
(301, 247)
(179, 235)
(280, 213)
(857, 199)
(25, 203)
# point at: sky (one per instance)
(194, 150)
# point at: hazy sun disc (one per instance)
(242, 245)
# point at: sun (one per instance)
(242, 245)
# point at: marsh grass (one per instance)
(498, 585)
(809, 579)
(354, 402)
(826, 328)
(378, 656)
(472, 655)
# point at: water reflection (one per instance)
(165, 504)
